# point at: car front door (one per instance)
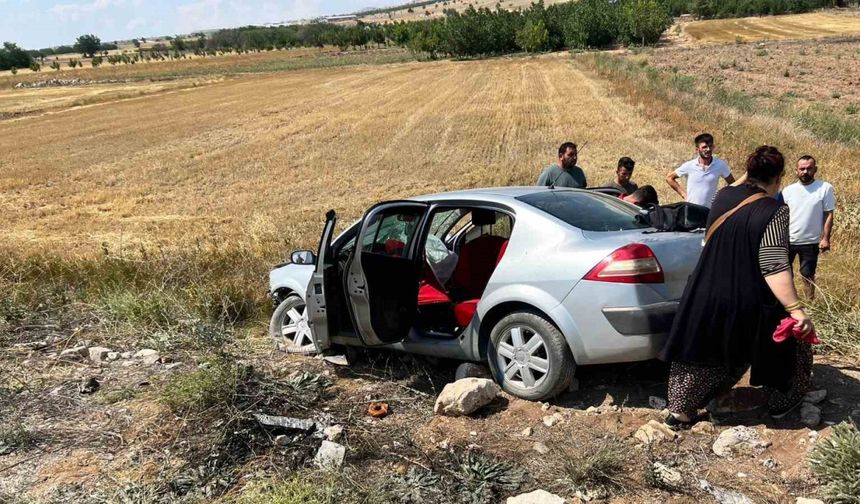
(321, 280)
(382, 279)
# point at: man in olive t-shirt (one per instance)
(623, 174)
(565, 173)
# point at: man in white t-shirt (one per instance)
(703, 173)
(811, 204)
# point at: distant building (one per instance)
(340, 19)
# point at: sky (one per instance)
(35, 24)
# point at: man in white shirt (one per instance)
(811, 204)
(703, 173)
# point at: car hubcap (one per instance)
(522, 357)
(296, 330)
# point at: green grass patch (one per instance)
(600, 467)
(114, 396)
(295, 489)
(836, 463)
(191, 298)
(215, 383)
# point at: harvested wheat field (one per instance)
(794, 26)
(273, 152)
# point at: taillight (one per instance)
(634, 263)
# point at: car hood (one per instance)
(294, 277)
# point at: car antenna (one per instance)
(578, 150)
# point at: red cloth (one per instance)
(786, 329)
(428, 294)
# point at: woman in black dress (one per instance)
(740, 290)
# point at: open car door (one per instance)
(382, 279)
(322, 278)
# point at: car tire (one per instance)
(289, 327)
(529, 357)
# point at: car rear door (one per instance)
(321, 281)
(382, 279)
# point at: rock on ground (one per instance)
(75, 353)
(536, 497)
(703, 428)
(147, 356)
(98, 354)
(804, 500)
(553, 419)
(333, 432)
(815, 396)
(810, 415)
(739, 439)
(667, 475)
(541, 448)
(723, 495)
(330, 455)
(654, 432)
(89, 386)
(464, 397)
(658, 403)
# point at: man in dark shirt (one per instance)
(623, 174)
(565, 173)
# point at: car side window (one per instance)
(392, 232)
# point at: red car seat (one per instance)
(476, 264)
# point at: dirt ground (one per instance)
(822, 72)
(94, 444)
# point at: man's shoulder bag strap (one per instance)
(719, 222)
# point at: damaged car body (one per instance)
(531, 281)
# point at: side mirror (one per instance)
(303, 257)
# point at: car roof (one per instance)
(498, 194)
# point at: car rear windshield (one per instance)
(585, 210)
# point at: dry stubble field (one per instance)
(269, 153)
(792, 26)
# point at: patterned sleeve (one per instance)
(773, 249)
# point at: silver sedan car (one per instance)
(533, 281)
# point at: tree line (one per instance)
(474, 32)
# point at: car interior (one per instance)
(463, 247)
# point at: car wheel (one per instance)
(289, 327)
(529, 357)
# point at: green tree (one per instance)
(177, 43)
(136, 43)
(88, 45)
(644, 20)
(533, 36)
(13, 56)
(592, 23)
(55, 65)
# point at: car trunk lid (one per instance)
(677, 253)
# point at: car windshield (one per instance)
(585, 210)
